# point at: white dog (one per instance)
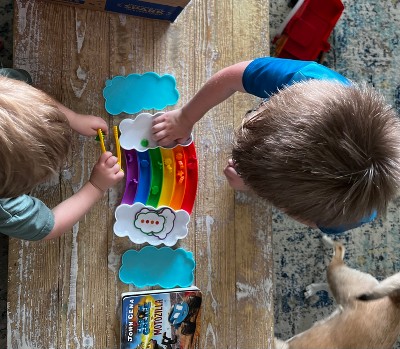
(368, 313)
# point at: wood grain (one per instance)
(65, 293)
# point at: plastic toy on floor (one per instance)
(304, 33)
(160, 189)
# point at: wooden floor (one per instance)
(65, 293)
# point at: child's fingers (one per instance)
(103, 127)
(165, 142)
(116, 167)
(159, 119)
(118, 173)
(105, 156)
(111, 161)
(157, 128)
(159, 136)
(91, 123)
(162, 138)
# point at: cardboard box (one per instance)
(156, 9)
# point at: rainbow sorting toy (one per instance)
(161, 185)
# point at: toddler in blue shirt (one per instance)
(321, 148)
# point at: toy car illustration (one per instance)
(183, 315)
(178, 314)
(304, 33)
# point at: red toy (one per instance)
(304, 33)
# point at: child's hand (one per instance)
(87, 125)
(171, 127)
(234, 180)
(106, 173)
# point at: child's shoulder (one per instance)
(17, 203)
(279, 64)
(265, 76)
(19, 207)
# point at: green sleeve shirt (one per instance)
(25, 217)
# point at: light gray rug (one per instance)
(365, 47)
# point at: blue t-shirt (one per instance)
(25, 217)
(267, 75)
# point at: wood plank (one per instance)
(253, 226)
(131, 51)
(84, 265)
(215, 244)
(34, 266)
(229, 234)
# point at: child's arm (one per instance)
(86, 125)
(176, 125)
(105, 174)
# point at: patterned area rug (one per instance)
(364, 47)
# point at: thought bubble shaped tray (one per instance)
(152, 266)
(132, 93)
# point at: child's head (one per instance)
(322, 152)
(34, 137)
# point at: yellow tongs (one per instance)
(116, 138)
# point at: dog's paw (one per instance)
(327, 241)
(309, 292)
(312, 289)
(279, 344)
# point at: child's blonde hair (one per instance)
(321, 151)
(34, 137)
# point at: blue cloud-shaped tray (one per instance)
(152, 266)
(132, 93)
